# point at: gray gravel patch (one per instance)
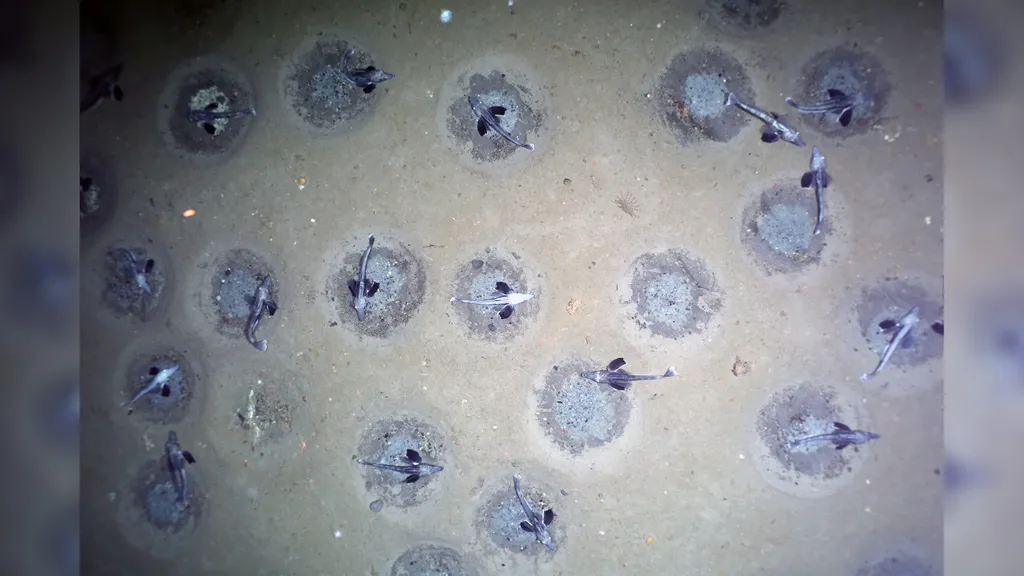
(432, 560)
(498, 519)
(477, 279)
(577, 414)
(386, 442)
(851, 71)
(674, 293)
(778, 228)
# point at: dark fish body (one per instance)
(157, 384)
(536, 522)
(414, 468)
(262, 302)
(819, 179)
(838, 102)
(366, 78)
(487, 118)
(905, 324)
(504, 300)
(176, 460)
(775, 126)
(362, 288)
(209, 114)
(841, 437)
(619, 379)
(103, 87)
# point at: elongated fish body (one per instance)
(176, 460)
(819, 179)
(838, 102)
(619, 379)
(208, 115)
(138, 270)
(414, 468)
(362, 287)
(536, 522)
(366, 78)
(504, 300)
(261, 302)
(487, 119)
(906, 324)
(841, 437)
(156, 384)
(775, 126)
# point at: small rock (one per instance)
(740, 367)
(477, 264)
(492, 327)
(564, 493)
(377, 505)
(516, 256)
(566, 181)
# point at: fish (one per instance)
(619, 379)
(775, 126)
(139, 270)
(366, 78)
(103, 87)
(841, 436)
(536, 522)
(487, 118)
(905, 325)
(159, 382)
(819, 179)
(176, 459)
(414, 467)
(838, 102)
(207, 115)
(503, 300)
(362, 287)
(261, 302)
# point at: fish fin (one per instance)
(887, 325)
(526, 526)
(413, 456)
(834, 93)
(806, 179)
(353, 287)
(826, 179)
(411, 478)
(367, 90)
(261, 345)
(165, 390)
(618, 386)
(481, 126)
(153, 370)
(731, 99)
(502, 287)
(845, 117)
(842, 445)
(939, 328)
(616, 364)
(505, 311)
(149, 266)
(369, 68)
(212, 106)
(908, 341)
(210, 128)
(85, 183)
(841, 426)
(250, 300)
(118, 93)
(791, 102)
(188, 456)
(373, 289)
(271, 307)
(671, 372)
(549, 516)
(769, 136)
(497, 110)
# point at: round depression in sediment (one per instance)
(884, 304)
(155, 501)
(432, 560)
(388, 442)
(673, 293)
(478, 280)
(743, 16)
(496, 81)
(402, 280)
(577, 414)
(815, 469)
(898, 564)
(315, 91)
(498, 519)
(691, 93)
(778, 227)
(237, 274)
(850, 71)
(207, 83)
(97, 196)
(170, 399)
(135, 276)
(268, 410)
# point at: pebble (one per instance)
(377, 505)
(477, 264)
(566, 181)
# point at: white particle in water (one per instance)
(337, 533)
(446, 16)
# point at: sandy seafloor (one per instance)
(681, 490)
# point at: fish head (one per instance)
(380, 76)
(360, 312)
(794, 137)
(428, 469)
(545, 538)
(595, 375)
(517, 298)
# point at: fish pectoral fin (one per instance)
(118, 93)
(250, 300)
(271, 307)
(149, 266)
(353, 287)
(210, 128)
(549, 516)
(481, 126)
(497, 110)
(826, 179)
(413, 456)
(908, 341)
(211, 106)
(806, 179)
(188, 456)
(502, 287)
(834, 93)
(618, 385)
(505, 311)
(845, 117)
(369, 88)
(770, 137)
(369, 69)
(165, 390)
(616, 364)
(841, 426)
(526, 526)
(373, 289)
(411, 478)
(842, 445)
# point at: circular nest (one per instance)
(674, 294)
(124, 264)
(477, 280)
(887, 302)
(155, 498)
(778, 227)
(742, 16)
(180, 387)
(500, 516)
(577, 414)
(431, 560)
(237, 274)
(387, 442)
(850, 71)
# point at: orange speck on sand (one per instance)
(188, 213)
(650, 540)
(302, 181)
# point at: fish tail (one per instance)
(670, 372)
(731, 99)
(261, 345)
